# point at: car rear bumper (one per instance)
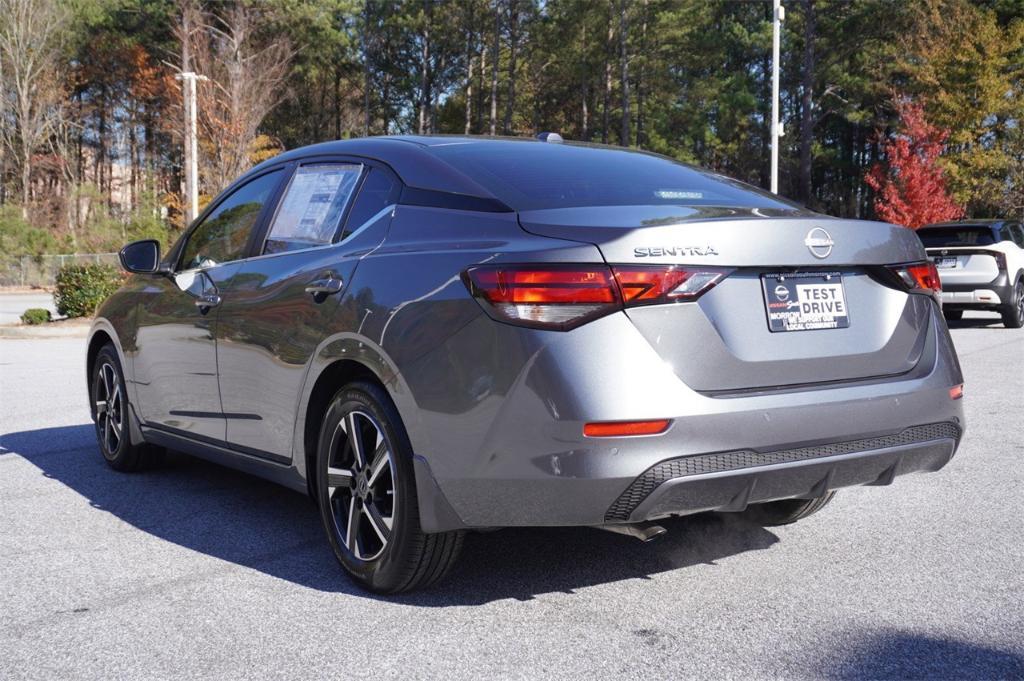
(730, 481)
(984, 294)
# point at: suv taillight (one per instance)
(562, 297)
(919, 277)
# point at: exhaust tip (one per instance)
(645, 533)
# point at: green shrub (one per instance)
(35, 315)
(81, 288)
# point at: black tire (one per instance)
(953, 315)
(375, 489)
(786, 511)
(111, 415)
(1013, 314)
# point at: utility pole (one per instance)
(188, 86)
(778, 15)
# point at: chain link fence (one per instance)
(41, 270)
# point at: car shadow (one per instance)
(975, 323)
(907, 655)
(257, 524)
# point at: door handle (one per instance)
(321, 288)
(205, 302)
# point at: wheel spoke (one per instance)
(381, 461)
(379, 524)
(105, 372)
(338, 477)
(355, 439)
(352, 528)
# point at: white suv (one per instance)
(981, 266)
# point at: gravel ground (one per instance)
(194, 571)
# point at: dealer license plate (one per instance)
(805, 301)
(945, 263)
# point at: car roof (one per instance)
(984, 222)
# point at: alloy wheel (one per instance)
(109, 408)
(361, 486)
(1020, 300)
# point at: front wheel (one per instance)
(367, 496)
(110, 414)
(787, 511)
(1013, 314)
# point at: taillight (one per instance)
(564, 296)
(1000, 260)
(545, 296)
(653, 285)
(921, 277)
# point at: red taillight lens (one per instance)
(625, 428)
(562, 297)
(956, 392)
(545, 296)
(921, 277)
(652, 285)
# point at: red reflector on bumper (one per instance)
(956, 392)
(625, 428)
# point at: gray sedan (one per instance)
(430, 335)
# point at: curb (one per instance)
(49, 330)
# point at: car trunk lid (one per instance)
(722, 342)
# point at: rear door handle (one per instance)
(321, 288)
(205, 302)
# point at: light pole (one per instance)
(188, 86)
(778, 14)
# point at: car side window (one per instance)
(224, 234)
(313, 206)
(1017, 234)
(379, 191)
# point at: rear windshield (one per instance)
(535, 176)
(956, 236)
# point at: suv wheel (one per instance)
(1013, 314)
(786, 511)
(109, 402)
(366, 491)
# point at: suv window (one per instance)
(1017, 234)
(379, 191)
(224, 234)
(966, 235)
(313, 206)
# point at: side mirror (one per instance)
(141, 257)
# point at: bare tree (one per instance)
(246, 76)
(625, 135)
(30, 48)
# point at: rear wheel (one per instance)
(953, 315)
(786, 511)
(1013, 314)
(367, 496)
(110, 414)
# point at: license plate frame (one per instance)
(805, 301)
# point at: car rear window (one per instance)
(536, 176)
(965, 235)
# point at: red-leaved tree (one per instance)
(911, 186)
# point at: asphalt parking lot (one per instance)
(194, 571)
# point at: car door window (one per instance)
(1017, 234)
(224, 234)
(379, 190)
(313, 206)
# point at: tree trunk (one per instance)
(640, 132)
(584, 86)
(469, 95)
(807, 102)
(367, 72)
(425, 98)
(495, 58)
(625, 135)
(513, 18)
(607, 79)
